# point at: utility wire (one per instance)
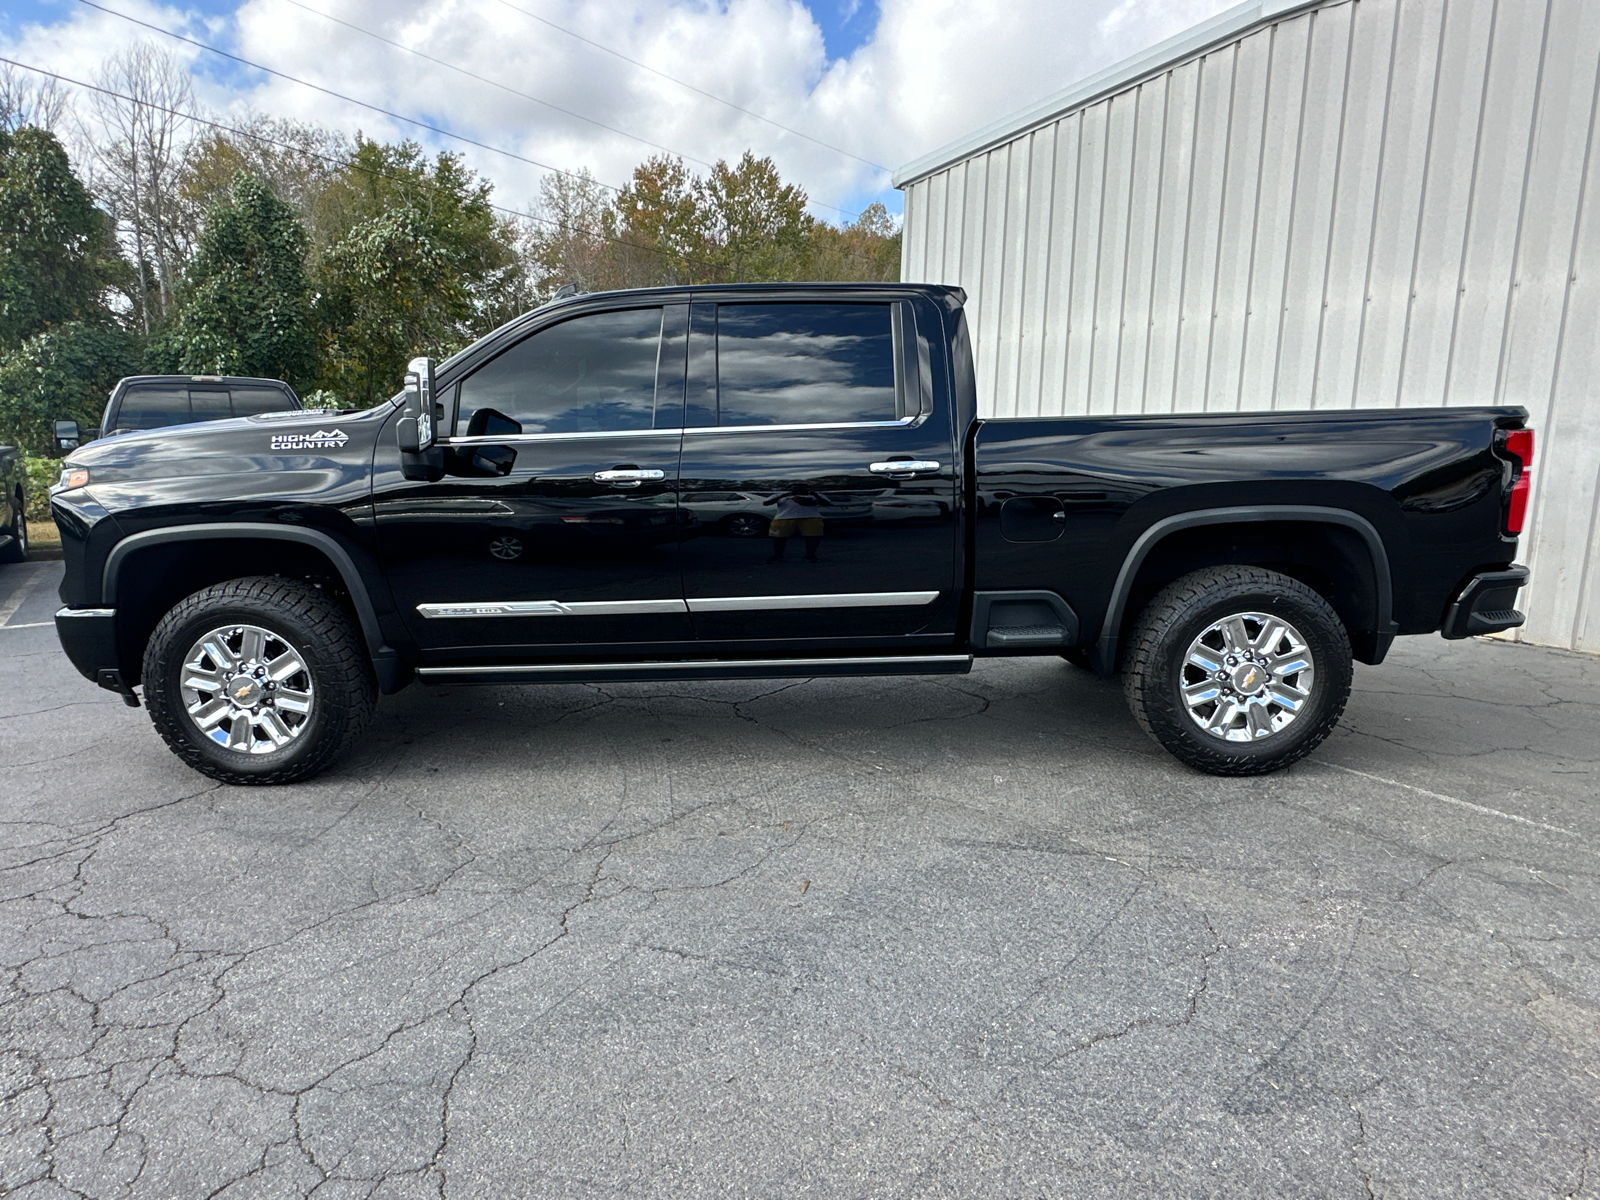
(449, 66)
(343, 163)
(385, 111)
(683, 83)
(532, 162)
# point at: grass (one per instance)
(44, 539)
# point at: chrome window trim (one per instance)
(697, 663)
(707, 604)
(517, 438)
(901, 423)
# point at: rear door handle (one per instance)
(628, 477)
(905, 466)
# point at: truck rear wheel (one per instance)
(1238, 670)
(260, 680)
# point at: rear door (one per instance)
(819, 478)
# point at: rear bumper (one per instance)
(1486, 604)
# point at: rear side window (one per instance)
(592, 374)
(153, 408)
(248, 401)
(807, 364)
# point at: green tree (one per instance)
(246, 308)
(57, 253)
(64, 373)
(660, 230)
(866, 249)
(753, 225)
(416, 262)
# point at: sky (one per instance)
(839, 93)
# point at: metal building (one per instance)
(1306, 205)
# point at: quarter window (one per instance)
(807, 364)
(592, 374)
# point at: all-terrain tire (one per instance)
(1159, 648)
(297, 615)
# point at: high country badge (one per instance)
(320, 440)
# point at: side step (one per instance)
(730, 668)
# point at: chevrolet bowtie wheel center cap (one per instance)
(1247, 676)
(247, 689)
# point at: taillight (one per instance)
(1519, 445)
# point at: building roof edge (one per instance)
(1225, 26)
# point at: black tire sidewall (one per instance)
(163, 675)
(1168, 716)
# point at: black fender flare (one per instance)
(1103, 653)
(391, 675)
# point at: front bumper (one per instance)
(89, 636)
(1486, 604)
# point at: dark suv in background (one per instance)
(156, 401)
(13, 506)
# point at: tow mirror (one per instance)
(65, 435)
(415, 428)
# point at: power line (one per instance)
(493, 82)
(683, 83)
(532, 162)
(523, 95)
(373, 107)
(343, 163)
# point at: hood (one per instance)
(304, 456)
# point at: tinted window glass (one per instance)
(153, 407)
(587, 375)
(805, 364)
(248, 401)
(209, 404)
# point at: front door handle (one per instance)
(628, 477)
(905, 466)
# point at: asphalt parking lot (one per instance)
(970, 936)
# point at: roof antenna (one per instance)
(565, 291)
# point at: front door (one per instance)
(556, 524)
(817, 476)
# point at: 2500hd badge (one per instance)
(609, 488)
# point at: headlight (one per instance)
(72, 477)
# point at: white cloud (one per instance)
(933, 71)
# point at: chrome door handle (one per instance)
(630, 477)
(909, 466)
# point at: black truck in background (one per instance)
(551, 504)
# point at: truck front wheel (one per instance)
(261, 680)
(1238, 670)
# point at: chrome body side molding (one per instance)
(551, 608)
(825, 600)
(612, 608)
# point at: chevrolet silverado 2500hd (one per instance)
(553, 504)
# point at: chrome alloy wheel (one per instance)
(1247, 676)
(247, 689)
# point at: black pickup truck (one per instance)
(552, 504)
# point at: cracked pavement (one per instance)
(971, 936)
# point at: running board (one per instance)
(731, 668)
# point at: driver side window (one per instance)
(593, 374)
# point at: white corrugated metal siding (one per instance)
(1369, 203)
